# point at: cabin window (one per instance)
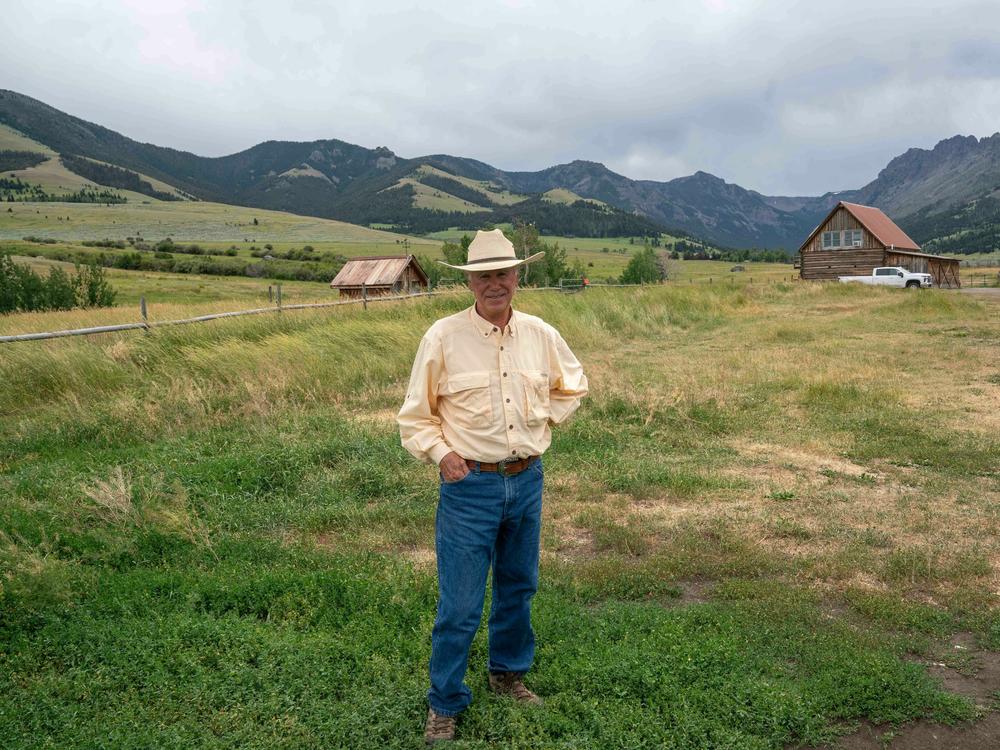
(847, 238)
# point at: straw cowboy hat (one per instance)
(490, 251)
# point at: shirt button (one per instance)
(495, 328)
(501, 348)
(510, 427)
(513, 453)
(508, 401)
(505, 374)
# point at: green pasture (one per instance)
(606, 258)
(57, 180)
(503, 197)
(12, 140)
(760, 529)
(188, 289)
(567, 197)
(433, 199)
(189, 221)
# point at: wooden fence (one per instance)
(145, 324)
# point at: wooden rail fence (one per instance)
(146, 324)
(364, 301)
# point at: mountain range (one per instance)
(947, 198)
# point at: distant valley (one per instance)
(947, 198)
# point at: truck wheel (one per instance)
(912, 284)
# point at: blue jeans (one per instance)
(484, 520)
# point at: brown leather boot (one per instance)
(509, 683)
(439, 728)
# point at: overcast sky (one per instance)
(781, 97)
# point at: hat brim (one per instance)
(495, 265)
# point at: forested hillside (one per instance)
(942, 196)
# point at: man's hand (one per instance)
(453, 467)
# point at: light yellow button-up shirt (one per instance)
(488, 394)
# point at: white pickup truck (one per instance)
(893, 276)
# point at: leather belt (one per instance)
(508, 467)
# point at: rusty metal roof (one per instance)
(881, 226)
(377, 270)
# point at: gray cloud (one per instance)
(781, 97)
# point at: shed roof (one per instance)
(376, 270)
(881, 226)
(924, 255)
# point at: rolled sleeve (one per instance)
(419, 422)
(568, 384)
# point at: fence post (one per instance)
(270, 294)
(364, 296)
(142, 311)
(279, 296)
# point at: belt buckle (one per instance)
(503, 463)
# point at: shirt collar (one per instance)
(486, 328)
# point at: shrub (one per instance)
(21, 289)
(93, 289)
(104, 243)
(60, 291)
(643, 268)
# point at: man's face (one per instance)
(493, 290)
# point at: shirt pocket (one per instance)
(536, 397)
(470, 399)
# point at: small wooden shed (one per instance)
(380, 275)
(853, 239)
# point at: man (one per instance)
(486, 384)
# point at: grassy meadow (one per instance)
(181, 290)
(202, 222)
(774, 510)
(604, 258)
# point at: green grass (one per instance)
(210, 224)
(566, 197)
(192, 289)
(12, 140)
(434, 199)
(57, 180)
(212, 537)
(503, 197)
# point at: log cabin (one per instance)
(854, 239)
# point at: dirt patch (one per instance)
(571, 541)
(421, 557)
(799, 462)
(693, 591)
(380, 416)
(965, 669)
(981, 735)
(968, 670)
